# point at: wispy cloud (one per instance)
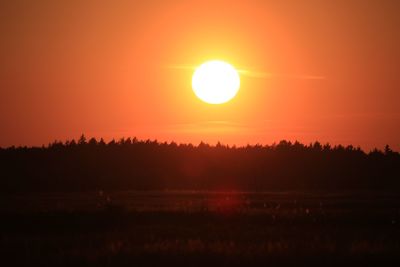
(212, 126)
(261, 74)
(256, 74)
(310, 77)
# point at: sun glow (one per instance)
(215, 82)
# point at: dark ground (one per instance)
(200, 229)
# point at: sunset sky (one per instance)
(311, 70)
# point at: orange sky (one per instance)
(112, 69)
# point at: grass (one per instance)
(200, 229)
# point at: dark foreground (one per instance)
(200, 229)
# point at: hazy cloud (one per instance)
(208, 127)
(255, 74)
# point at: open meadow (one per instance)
(191, 228)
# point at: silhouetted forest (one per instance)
(130, 164)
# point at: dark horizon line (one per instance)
(83, 140)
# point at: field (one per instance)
(200, 228)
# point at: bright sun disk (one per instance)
(215, 82)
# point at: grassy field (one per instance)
(200, 228)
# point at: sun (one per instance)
(215, 82)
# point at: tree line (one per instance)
(132, 164)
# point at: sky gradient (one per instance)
(312, 70)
